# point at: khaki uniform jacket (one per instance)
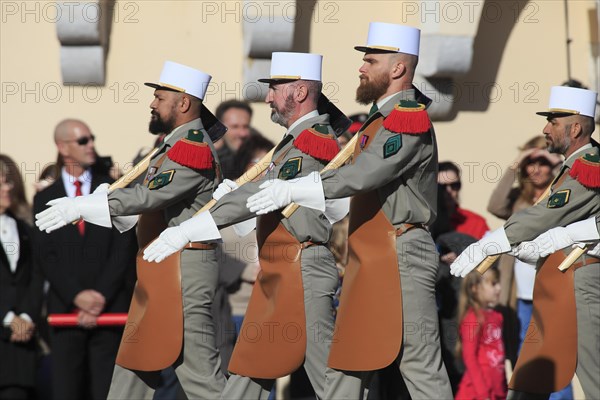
(406, 181)
(178, 200)
(581, 204)
(305, 224)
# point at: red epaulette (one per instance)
(192, 151)
(408, 117)
(318, 143)
(586, 170)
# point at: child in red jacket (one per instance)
(481, 338)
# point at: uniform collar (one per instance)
(581, 151)
(182, 131)
(300, 120)
(386, 105)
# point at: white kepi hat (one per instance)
(566, 100)
(287, 67)
(392, 38)
(181, 78)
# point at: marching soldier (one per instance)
(564, 334)
(289, 320)
(387, 309)
(169, 321)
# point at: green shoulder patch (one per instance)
(324, 129)
(290, 168)
(161, 180)
(559, 199)
(392, 146)
(195, 135)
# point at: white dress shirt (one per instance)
(69, 182)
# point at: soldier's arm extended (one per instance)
(178, 182)
(387, 158)
(569, 203)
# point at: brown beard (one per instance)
(370, 91)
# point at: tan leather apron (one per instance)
(153, 335)
(272, 341)
(368, 331)
(548, 356)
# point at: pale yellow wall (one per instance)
(180, 31)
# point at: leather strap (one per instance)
(157, 166)
(280, 158)
(307, 244)
(584, 260)
(200, 246)
(403, 228)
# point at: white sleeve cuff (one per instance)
(495, 242)
(336, 209)
(125, 222)
(201, 228)
(308, 191)
(94, 209)
(583, 231)
(243, 228)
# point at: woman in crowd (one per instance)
(20, 288)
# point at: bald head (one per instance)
(75, 143)
(65, 128)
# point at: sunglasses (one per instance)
(454, 185)
(82, 141)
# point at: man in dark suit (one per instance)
(90, 272)
(20, 293)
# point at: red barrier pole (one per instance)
(66, 320)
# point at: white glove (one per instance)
(170, 241)
(491, 244)
(528, 252)
(559, 238)
(201, 228)
(63, 211)
(227, 186)
(306, 191)
(595, 251)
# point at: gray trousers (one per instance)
(320, 280)
(587, 299)
(198, 367)
(420, 359)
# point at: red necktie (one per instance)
(81, 223)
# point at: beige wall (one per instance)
(484, 134)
